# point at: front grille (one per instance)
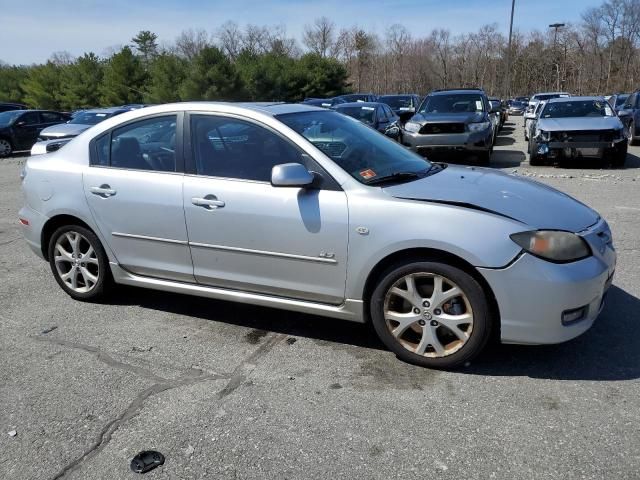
(584, 136)
(332, 149)
(436, 128)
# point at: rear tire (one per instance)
(435, 327)
(79, 263)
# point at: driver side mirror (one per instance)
(291, 175)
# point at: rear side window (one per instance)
(50, 117)
(143, 145)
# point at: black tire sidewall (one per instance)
(482, 322)
(99, 290)
(4, 155)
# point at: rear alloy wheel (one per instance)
(5, 147)
(431, 314)
(79, 263)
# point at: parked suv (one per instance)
(452, 121)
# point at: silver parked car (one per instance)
(305, 209)
(576, 128)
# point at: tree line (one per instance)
(597, 55)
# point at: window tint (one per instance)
(231, 148)
(145, 145)
(31, 118)
(102, 151)
(630, 101)
(49, 117)
(389, 112)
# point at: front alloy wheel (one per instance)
(78, 262)
(431, 314)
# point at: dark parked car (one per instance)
(617, 100)
(404, 106)
(7, 106)
(323, 102)
(516, 107)
(376, 115)
(452, 121)
(629, 113)
(19, 129)
(358, 97)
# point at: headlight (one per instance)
(542, 135)
(412, 127)
(478, 127)
(552, 245)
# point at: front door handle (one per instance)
(103, 191)
(210, 202)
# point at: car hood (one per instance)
(65, 129)
(464, 117)
(579, 123)
(532, 203)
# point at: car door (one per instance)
(134, 189)
(26, 129)
(246, 234)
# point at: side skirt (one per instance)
(351, 310)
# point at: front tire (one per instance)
(6, 148)
(632, 132)
(431, 314)
(79, 263)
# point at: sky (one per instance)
(33, 29)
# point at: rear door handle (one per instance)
(103, 191)
(210, 202)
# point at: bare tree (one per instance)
(319, 37)
(190, 42)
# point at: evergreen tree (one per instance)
(42, 86)
(146, 45)
(11, 83)
(166, 74)
(212, 76)
(81, 83)
(124, 79)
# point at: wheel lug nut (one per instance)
(434, 323)
(426, 304)
(416, 310)
(422, 323)
(437, 311)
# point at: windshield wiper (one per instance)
(396, 177)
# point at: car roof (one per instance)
(106, 110)
(573, 99)
(359, 104)
(458, 90)
(551, 93)
(399, 95)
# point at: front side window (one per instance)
(50, 117)
(232, 148)
(31, 118)
(454, 103)
(359, 150)
(143, 145)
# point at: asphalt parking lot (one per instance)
(234, 391)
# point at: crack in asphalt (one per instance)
(191, 377)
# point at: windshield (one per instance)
(581, 108)
(455, 103)
(90, 118)
(517, 104)
(396, 101)
(7, 117)
(620, 99)
(359, 150)
(364, 114)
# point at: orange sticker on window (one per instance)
(367, 174)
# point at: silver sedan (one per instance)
(301, 208)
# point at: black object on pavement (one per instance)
(146, 461)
